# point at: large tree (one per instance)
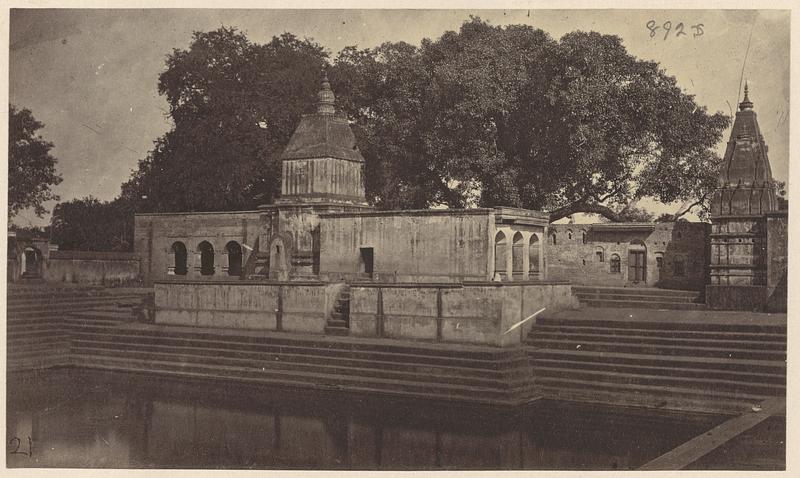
(509, 116)
(31, 167)
(89, 224)
(234, 105)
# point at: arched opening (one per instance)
(32, 258)
(599, 254)
(234, 251)
(637, 262)
(206, 258)
(569, 234)
(533, 257)
(500, 245)
(615, 264)
(179, 262)
(517, 259)
(659, 264)
(553, 238)
(583, 236)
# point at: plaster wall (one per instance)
(681, 246)
(93, 268)
(439, 246)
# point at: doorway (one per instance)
(636, 266)
(367, 261)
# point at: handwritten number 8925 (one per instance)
(668, 28)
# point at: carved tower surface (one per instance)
(745, 194)
(322, 172)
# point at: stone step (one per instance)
(668, 361)
(657, 391)
(340, 331)
(582, 338)
(624, 379)
(676, 326)
(516, 369)
(676, 370)
(302, 379)
(689, 334)
(121, 341)
(642, 304)
(72, 305)
(652, 349)
(584, 296)
(180, 335)
(633, 291)
(334, 322)
(366, 370)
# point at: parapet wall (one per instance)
(474, 313)
(91, 267)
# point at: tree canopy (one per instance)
(89, 224)
(31, 167)
(234, 105)
(484, 116)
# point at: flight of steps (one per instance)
(638, 297)
(689, 366)
(339, 321)
(431, 371)
(39, 324)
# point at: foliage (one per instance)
(634, 214)
(31, 168)
(91, 225)
(518, 119)
(234, 105)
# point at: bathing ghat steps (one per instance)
(639, 297)
(684, 365)
(339, 321)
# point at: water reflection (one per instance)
(78, 419)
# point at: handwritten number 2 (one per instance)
(16, 442)
(679, 30)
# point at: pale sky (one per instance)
(91, 75)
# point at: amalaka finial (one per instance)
(746, 104)
(325, 105)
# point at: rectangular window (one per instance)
(367, 258)
(679, 268)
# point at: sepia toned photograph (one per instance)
(397, 239)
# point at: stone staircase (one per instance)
(39, 325)
(339, 321)
(408, 369)
(638, 297)
(688, 366)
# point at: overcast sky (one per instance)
(91, 75)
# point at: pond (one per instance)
(87, 419)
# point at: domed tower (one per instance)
(745, 194)
(322, 172)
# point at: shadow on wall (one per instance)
(682, 265)
(778, 297)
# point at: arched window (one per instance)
(179, 253)
(234, 251)
(599, 254)
(500, 246)
(615, 264)
(206, 258)
(517, 250)
(553, 238)
(569, 234)
(583, 236)
(533, 256)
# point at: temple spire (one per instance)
(746, 104)
(325, 105)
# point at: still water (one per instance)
(73, 418)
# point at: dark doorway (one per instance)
(367, 261)
(179, 251)
(32, 258)
(206, 258)
(234, 251)
(636, 266)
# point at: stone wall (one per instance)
(777, 260)
(476, 313)
(292, 307)
(427, 246)
(90, 267)
(155, 235)
(675, 254)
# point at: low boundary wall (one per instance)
(96, 268)
(472, 313)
